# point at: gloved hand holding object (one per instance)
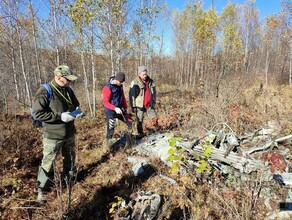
(66, 117)
(118, 110)
(77, 113)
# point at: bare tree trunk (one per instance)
(13, 67)
(195, 64)
(35, 44)
(119, 63)
(197, 61)
(192, 77)
(93, 75)
(4, 97)
(147, 56)
(179, 74)
(267, 67)
(290, 64)
(28, 96)
(140, 38)
(93, 83)
(111, 47)
(182, 64)
(14, 73)
(56, 30)
(86, 84)
(177, 64)
(13, 58)
(187, 76)
(140, 54)
(201, 65)
(246, 61)
(119, 49)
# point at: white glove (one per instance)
(79, 115)
(66, 117)
(118, 110)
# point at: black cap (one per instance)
(120, 76)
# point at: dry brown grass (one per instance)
(104, 174)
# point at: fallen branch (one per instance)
(24, 207)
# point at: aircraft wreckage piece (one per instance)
(266, 146)
(243, 164)
(158, 145)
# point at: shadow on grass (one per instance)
(178, 214)
(127, 140)
(98, 207)
(83, 173)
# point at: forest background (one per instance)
(228, 66)
(99, 38)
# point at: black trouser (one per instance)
(111, 116)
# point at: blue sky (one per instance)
(265, 7)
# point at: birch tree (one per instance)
(187, 43)
(35, 40)
(286, 23)
(5, 49)
(144, 27)
(232, 55)
(109, 17)
(183, 43)
(206, 29)
(22, 62)
(250, 31)
(17, 39)
(83, 18)
(270, 42)
(8, 47)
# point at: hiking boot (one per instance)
(141, 135)
(130, 139)
(130, 125)
(41, 197)
(112, 141)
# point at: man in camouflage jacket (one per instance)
(58, 126)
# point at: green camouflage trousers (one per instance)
(51, 149)
(151, 113)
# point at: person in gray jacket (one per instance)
(55, 113)
(142, 96)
